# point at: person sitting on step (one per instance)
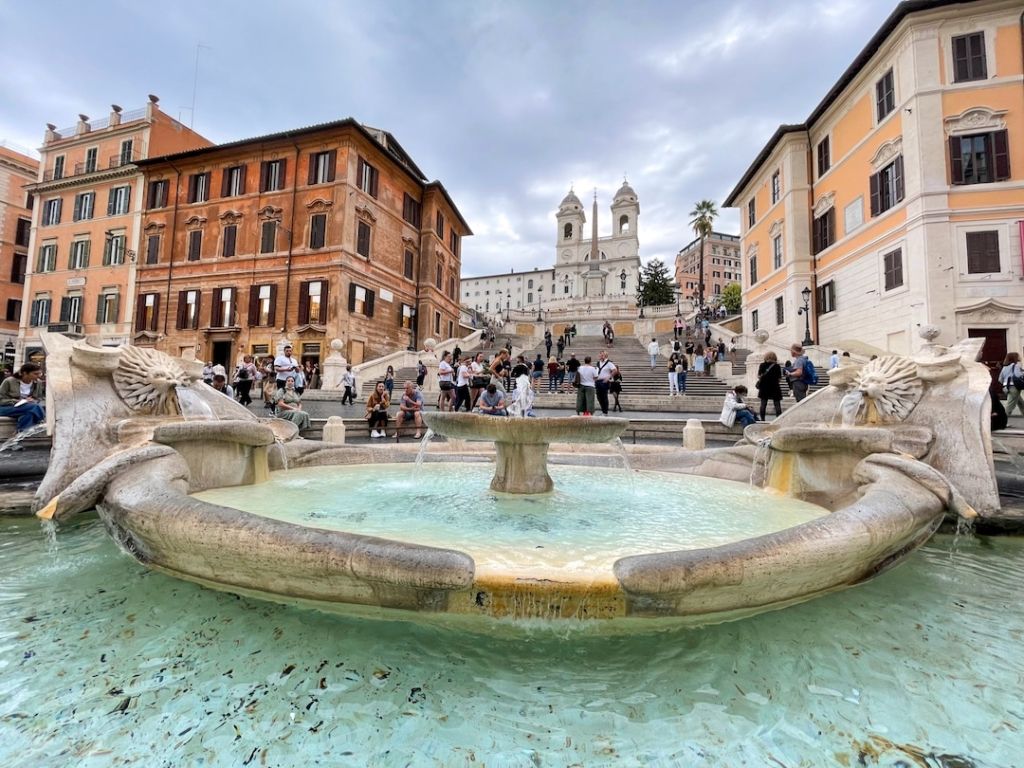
(377, 411)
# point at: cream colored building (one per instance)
(900, 200)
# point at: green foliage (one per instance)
(731, 298)
(702, 218)
(658, 287)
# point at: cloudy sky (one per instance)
(507, 103)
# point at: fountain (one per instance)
(177, 473)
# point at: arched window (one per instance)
(622, 284)
(529, 283)
(623, 223)
(567, 232)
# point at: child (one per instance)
(734, 409)
(616, 389)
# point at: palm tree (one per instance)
(703, 218)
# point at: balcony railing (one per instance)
(103, 122)
(68, 329)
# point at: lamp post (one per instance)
(678, 294)
(508, 306)
(540, 303)
(640, 292)
(806, 312)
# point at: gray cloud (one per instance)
(507, 103)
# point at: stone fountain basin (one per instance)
(149, 511)
(530, 431)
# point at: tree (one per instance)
(658, 287)
(702, 220)
(731, 298)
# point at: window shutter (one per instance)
(373, 181)
(359, 173)
(254, 305)
(272, 314)
(180, 323)
(815, 247)
(151, 194)
(351, 297)
(193, 182)
(960, 56)
(264, 175)
(77, 215)
(369, 303)
(241, 179)
(117, 309)
(956, 163)
(230, 233)
(976, 46)
(332, 160)
(110, 201)
(280, 176)
(217, 309)
(153, 249)
(99, 310)
(65, 309)
(225, 182)
(830, 217)
(325, 294)
(898, 173)
(233, 320)
(312, 169)
(304, 303)
(86, 247)
(1001, 155)
(876, 201)
(34, 315)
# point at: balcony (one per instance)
(74, 330)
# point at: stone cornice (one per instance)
(974, 120)
(84, 179)
(889, 151)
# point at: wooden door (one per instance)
(355, 352)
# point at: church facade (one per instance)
(588, 268)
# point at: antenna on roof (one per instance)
(195, 83)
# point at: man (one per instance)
(21, 397)
(348, 379)
(547, 342)
(586, 390)
(833, 362)
(654, 349)
(220, 383)
(797, 380)
(410, 407)
(538, 368)
(284, 366)
(688, 349)
(492, 402)
(572, 365)
(560, 347)
(208, 372)
(462, 379)
(605, 370)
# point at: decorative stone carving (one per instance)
(761, 336)
(885, 390)
(824, 203)
(409, 242)
(887, 153)
(936, 362)
(269, 213)
(154, 226)
(976, 119)
(776, 228)
(319, 205)
(752, 251)
(333, 369)
(193, 222)
(230, 217)
(146, 379)
(365, 212)
(429, 345)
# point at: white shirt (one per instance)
(605, 369)
(349, 379)
(283, 365)
(25, 388)
(833, 361)
(653, 348)
(588, 374)
(462, 379)
(1007, 373)
(444, 371)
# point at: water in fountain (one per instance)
(424, 444)
(192, 405)
(1012, 454)
(621, 450)
(15, 443)
(282, 453)
(759, 467)
(50, 532)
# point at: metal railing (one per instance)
(69, 329)
(103, 122)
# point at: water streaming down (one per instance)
(759, 467)
(192, 406)
(621, 450)
(421, 455)
(49, 528)
(15, 443)
(1012, 454)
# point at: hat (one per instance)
(287, 346)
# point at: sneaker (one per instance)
(375, 433)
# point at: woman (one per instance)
(769, 384)
(479, 375)
(245, 376)
(552, 375)
(289, 405)
(1012, 378)
(269, 384)
(698, 359)
(445, 381)
(377, 405)
(673, 377)
(389, 380)
(681, 375)
(22, 397)
(734, 409)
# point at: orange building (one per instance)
(721, 265)
(86, 223)
(329, 231)
(900, 201)
(16, 170)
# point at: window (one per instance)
(885, 96)
(363, 239)
(777, 252)
(157, 197)
(451, 286)
(199, 187)
(222, 313)
(58, 167)
(983, 252)
(71, 309)
(188, 310)
(825, 230)
(117, 202)
(272, 175)
(85, 204)
(108, 306)
(233, 181)
(317, 230)
(887, 187)
(13, 310)
(47, 261)
(776, 187)
(439, 224)
(126, 155)
(439, 276)
(780, 311)
(437, 322)
(366, 177)
(78, 257)
(751, 212)
(824, 157)
(753, 269)
(892, 268)
(153, 249)
(567, 232)
(19, 265)
(408, 265)
(411, 210)
(23, 232)
(529, 283)
(969, 58)
(146, 312)
(268, 237)
(826, 298)
(313, 302)
(229, 236)
(262, 305)
(40, 314)
(90, 159)
(623, 224)
(529, 298)
(321, 167)
(195, 244)
(360, 300)
(405, 316)
(979, 158)
(51, 212)
(113, 249)
(453, 241)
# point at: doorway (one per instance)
(222, 354)
(993, 352)
(355, 352)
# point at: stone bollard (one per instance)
(693, 435)
(334, 430)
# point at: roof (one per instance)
(901, 11)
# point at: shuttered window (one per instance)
(969, 58)
(360, 300)
(157, 197)
(979, 158)
(85, 205)
(188, 310)
(118, 200)
(824, 230)
(233, 181)
(983, 252)
(824, 157)
(885, 95)
(317, 230)
(272, 175)
(780, 311)
(229, 236)
(321, 166)
(199, 187)
(892, 267)
(408, 271)
(195, 244)
(826, 298)
(366, 177)
(268, 237)
(153, 249)
(313, 295)
(887, 187)
(147, 312)
(107, 307)
(262, 305)
(411, 210)
(222, 313)
(363, 239)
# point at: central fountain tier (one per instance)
(521, 464)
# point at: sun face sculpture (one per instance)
(884, 390)
(146, 380)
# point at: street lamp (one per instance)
(508, 305)
(540, 303)
(678, 293)
(806, 312)
(640, 292)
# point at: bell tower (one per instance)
(569, 235)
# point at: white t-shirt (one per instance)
(25, 389)
(588, 375)
(283, 365)
(444, 371)
(605, 369)
(462, 379)
(653, 348)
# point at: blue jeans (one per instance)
(745, 417)
(681, 376)
(27, 414)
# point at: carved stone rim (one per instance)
(886, 153)
(974, 119)
(824, 203)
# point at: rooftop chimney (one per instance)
(115, 114)
(51, 133)
(83, 125)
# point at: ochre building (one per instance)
(17, 169)
(721, 265)
(900, 201)
(304, 236)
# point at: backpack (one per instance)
(243, 373)
(809, 374)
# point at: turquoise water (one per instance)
(594, 516)
(103, 663)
